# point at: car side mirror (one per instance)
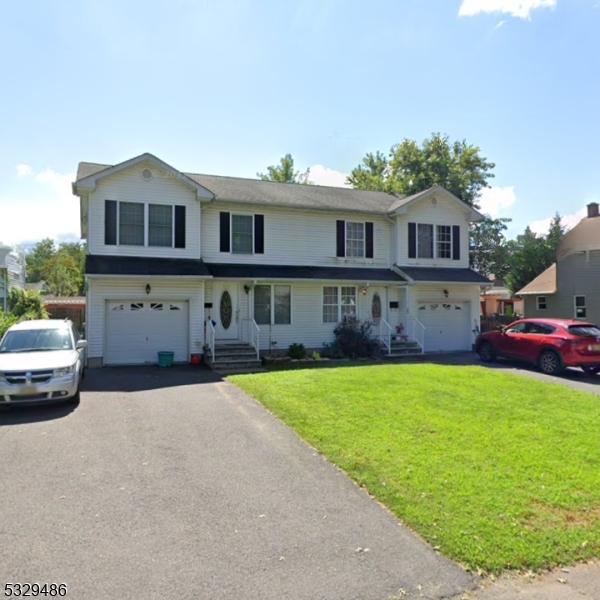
(81, 344)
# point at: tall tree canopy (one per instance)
(531, 254)
(410, 168)
(61, 268)
(284, 172)
(489, 248)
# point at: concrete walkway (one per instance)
(175, 484)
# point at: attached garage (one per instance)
(136, 330)
(447, 325)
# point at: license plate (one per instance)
(27, 391)
(595, 347)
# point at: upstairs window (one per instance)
(141, 224)
(541, 303)
(160, 225)
(428, 241)
(131, 224)
(354, 239)
(241, 234)
(424, 241)
(444, 241)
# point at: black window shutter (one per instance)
(224, 232)
(456, 242)
(369, 240)
(259, 234)
(110, 222)
(341, 238)
(180, 227)
(412, 240)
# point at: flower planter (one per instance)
(165, 359)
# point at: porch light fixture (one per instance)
(247, 289)
(363, 291)
(148, 288)
(446, 293)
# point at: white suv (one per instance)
(41, 361)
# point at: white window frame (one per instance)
(539, 300)
(241, 214)
(146, 206)
(340, 316)
(436, 241)
(364, 238)
(575, 307)
(272, 317)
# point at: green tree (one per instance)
(26, 305)
(62, 275)
(410, 168)
(284, 172)
(528, 258)
(34, 261)
(489, 248)
(555, 236)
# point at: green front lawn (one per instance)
(497, 470)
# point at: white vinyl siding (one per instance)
(163, 189)
(295, 237)
(101, 290)
(445, 213)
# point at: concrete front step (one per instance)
(224, 356)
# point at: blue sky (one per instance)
(229, 86)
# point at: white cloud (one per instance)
(41, 206)
(495, 199)
(321, 175)
(516, 8)
(23, 170)
(569, 221)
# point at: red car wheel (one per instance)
(487, 352)
(549, 362)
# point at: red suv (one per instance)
(552, 344)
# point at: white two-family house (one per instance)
(177, 261)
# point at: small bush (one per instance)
(6, 321)
(297, 351)
(353, 339)
(316, 355)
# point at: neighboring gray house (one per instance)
(570, 288)
(12, 273)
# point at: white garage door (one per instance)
(137, 329)
(447, 325)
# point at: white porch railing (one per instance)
(210, 338)
(416, 331)
(251, 334)
(385, 334)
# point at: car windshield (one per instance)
(36, 340)
(584, 330)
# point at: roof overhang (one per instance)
(401, 206)
(441, 276)
(88, 184)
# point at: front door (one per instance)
(226, 311)
(375, 307)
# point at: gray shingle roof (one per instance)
(255, 191)
(136, 265)
(444, 275)
(238, 271)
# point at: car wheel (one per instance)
(487, 352)
(591, 370)
(549, 363)
(73, 399)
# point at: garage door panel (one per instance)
(136, 330)
(446, 325)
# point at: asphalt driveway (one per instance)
(175, 484)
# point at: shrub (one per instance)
(297, 351)
(6, 321)
(26, 305)
(353, 339)
(316, 355)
